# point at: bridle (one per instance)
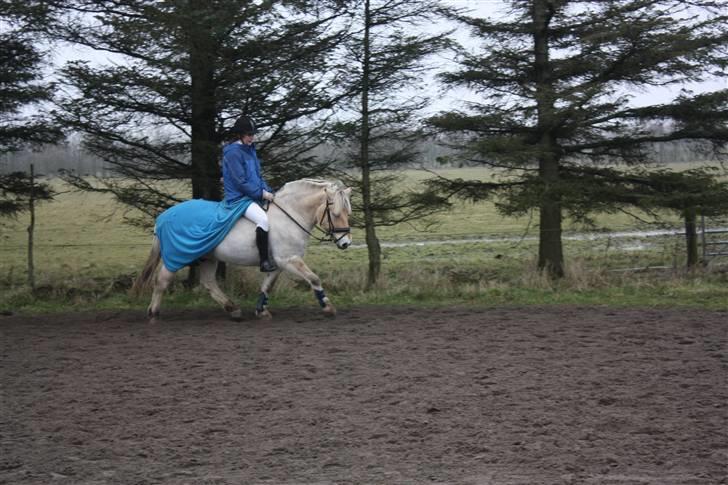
(330, 233)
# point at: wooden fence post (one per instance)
(31, 228)
(702, 239)
(691, 235)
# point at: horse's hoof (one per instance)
(236, 315)
(263, 314)
(153, 320)
(330, 311)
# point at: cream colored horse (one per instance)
(298, 207)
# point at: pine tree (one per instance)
(22, 91)
(556, 80)
(384, 56)
(182, 72)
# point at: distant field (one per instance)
(84, 233)
(75, 234)
(82, 241)
(467, 220)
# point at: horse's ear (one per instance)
(347, 191)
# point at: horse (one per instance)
(298, 208)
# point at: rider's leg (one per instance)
(256, 214)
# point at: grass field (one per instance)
(85, 256)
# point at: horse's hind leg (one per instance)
(164, 278)
(261, 308)
(296, 266)
(208, 268)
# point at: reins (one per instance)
(328, 234)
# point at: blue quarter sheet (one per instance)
(189, 230)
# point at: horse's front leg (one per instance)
(296, 266)
(208, 269)
(261, 308)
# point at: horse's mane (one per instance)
(301, 185)
(296, 188)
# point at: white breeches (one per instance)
(256, 214)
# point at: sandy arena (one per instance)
(551, 395)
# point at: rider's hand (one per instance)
(267, 196)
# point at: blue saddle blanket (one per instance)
(189, 230)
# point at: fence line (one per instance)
(721, 246)
(88, 245)
(587, 236)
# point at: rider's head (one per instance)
(245, 129)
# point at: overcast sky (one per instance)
(450, 99)
(496, 9)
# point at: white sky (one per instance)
(442, 100)
(496, 9)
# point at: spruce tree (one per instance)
(384, 62)
(556, 80)
(181, 72)
(23, 92)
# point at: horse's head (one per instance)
(320, 203)
(335, 217)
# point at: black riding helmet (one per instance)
(244, 126)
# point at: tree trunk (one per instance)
(373, 247)
(205, 147)
(550, 251)
(205, 150)
(691, 235)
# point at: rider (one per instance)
(242, 179)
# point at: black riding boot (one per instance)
(261, 240)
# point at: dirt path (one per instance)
(493, 396)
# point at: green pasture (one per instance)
(86, 256)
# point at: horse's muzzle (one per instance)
(344, 242)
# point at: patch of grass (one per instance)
(85, 258)
(426, 278)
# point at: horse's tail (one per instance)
(144, 279)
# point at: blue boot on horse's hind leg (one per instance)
(261, 308)
(261, 240)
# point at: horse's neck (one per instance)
(304, 206)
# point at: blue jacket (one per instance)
(241, 173)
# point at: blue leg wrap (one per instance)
(320, 295)
(262, 302)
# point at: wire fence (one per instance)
(712, 236)
(710, 246)
(714, 240)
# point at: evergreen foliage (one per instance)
(22, 91)
(16, 191)
(180, 74)
(382, 58)
(556, 79)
